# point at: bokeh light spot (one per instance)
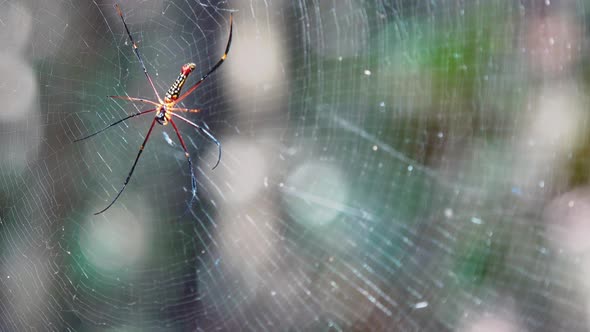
(115, 244)
(315, 194)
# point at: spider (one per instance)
(165, 109)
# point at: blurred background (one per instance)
(387, 165)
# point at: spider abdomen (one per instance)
(174, 90)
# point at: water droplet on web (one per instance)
(421, 305)
(476, 221)
(448, 212)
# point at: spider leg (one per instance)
(140, 100)
(115, 123)
(190, 165)
(203, 131)
(132, 168)
(136, 50)
(223, 57)
(186, 110)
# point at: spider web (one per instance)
(387, 165)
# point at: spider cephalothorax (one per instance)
(161, 116)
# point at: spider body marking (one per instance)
(174, 90)
(165, 109)
(162, 115)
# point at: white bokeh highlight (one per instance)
(18, 89)
(315, 194)
(120, 240)
(254, 71)
(567, 218)
(15, 41)
(241, 173)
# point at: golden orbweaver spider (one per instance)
(165, 109)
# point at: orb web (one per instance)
(387, 165)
